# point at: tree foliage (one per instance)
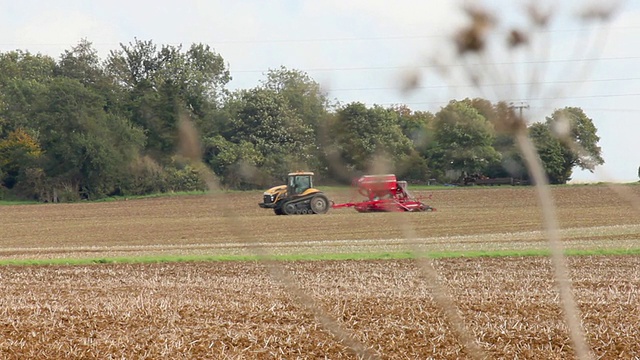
(581, 131)
(18, 152)
(165, 83)
(309, 102)
(551, 153)
(86, 148)
(363, 136)
(465, 137)
(79, 126)
(303, 94)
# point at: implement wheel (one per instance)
(319, 204)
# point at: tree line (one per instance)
(83, 127)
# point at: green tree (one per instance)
(583, 132)
(503, 119)
(167, 83)
(303, 94)
(416, 125)
(19, 64)
(86, 149)
(363, 136)
(465, 137)
(235, 163)
(82, 63)
(263, 118)
(18, 151)
(551, 153)
(309, 102)
(23, 76)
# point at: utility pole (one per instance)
(519, 105)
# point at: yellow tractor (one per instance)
(297, 197)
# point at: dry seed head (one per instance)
(410, 81)
(380, 164)
(538, 16)
(440, 66)
(470, 40)
(598, 11)
(480, 18)
(561, 127)
(248, 171)
(189, 143)
(517, 38)
(473, 37)
(511, 123)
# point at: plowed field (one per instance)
(503, 218)
(240, 310)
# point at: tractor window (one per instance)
(299, 183)
(304, 182)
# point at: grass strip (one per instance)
(18, 202)
(316, 257)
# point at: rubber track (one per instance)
(302, 199)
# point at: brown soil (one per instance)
(232, 223)
(237, 310)
(240, 310)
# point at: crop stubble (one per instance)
(236, 310)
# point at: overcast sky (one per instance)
(361, 50)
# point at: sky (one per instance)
(367, 50)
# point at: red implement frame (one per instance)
(383, 193)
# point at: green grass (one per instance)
(314, 257)
(18, 202)
(149, 196)
(116, 198)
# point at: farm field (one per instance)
(501, 218)
(240, 310)
(236, 310)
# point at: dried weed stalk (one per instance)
(472, 43)
(190, 149)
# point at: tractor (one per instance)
(297, 197)
(383, 193)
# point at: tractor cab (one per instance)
(299, 182)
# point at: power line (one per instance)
(581, 97)
(346, 39)
(525, 100)
(587, 109)
(403, 37)
(407, 37)
(485, 85)
(410, 67)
